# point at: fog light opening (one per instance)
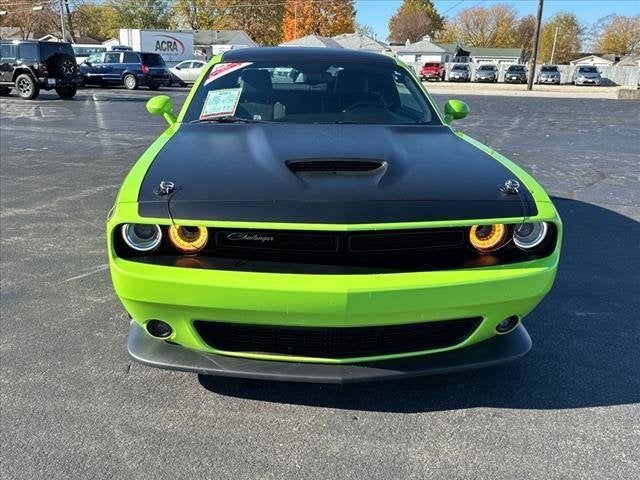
(159, 329)
(508, 324)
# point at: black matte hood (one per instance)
(249, 172)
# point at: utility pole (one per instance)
(536, 39)
(62, 19)
(553, 49)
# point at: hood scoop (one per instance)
(336, 166)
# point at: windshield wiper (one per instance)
(227, 119)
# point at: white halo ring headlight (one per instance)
(529, 235)
(141, 237)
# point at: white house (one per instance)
(422, 52)
(495, 56)
(312, 41)
(208, 43)
(592, 60)
(360, 41)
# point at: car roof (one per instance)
(297, 54)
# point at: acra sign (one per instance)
(168, 44)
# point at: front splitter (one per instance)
(158, 353)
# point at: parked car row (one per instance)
(28, 66)
(548, 74)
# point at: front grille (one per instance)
(336, 343)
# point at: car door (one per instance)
(8, 54)
(91, 68)
(112, 67)
(182, 71)
(196, 67)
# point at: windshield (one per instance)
(51, 48)
(549, 69)
(588, 70)
(516, 68)
(311, 92)
(486, 67)
(153, 60)
(459, 67)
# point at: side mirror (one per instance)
(88, 64)
(455, 110)
(162, 105)
(178, 68)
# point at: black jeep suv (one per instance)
(28, 66)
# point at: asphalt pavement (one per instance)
(73, 405)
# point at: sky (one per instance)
(377, 12)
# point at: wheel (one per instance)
(5, 91)
(27, 87)
(130, 82)
(63, 66)
(66, 92)
(154, 87)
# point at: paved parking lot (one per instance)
(72, 404)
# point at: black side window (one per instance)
(8, 51)
(29, 51)
(130, 57)
(112, 57)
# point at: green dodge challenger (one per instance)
(310, 215)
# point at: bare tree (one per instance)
(618, 34)
(413, 20)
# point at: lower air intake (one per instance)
(336, 343)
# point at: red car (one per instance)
(432, 71)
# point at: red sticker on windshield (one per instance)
(222, 69)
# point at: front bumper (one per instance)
(485, 79)
(588, 81)
(158, 353)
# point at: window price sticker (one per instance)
(221, 103)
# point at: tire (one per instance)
(27, 87)
(63, 66)
(5, 91)
(66, 92)
(130, 82)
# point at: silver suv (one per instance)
(486, 73)
(549, 74)
(586, 75)
(460, 73)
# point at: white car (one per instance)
(186, 72)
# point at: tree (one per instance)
(318, 17)
(525, 31)
(567, 41)
(20, 14)
(619, 34)
(413, 21)
(204, 14)
(365, 29)
(260, 19)
(494, 26)
(96, 21)
(152, 14)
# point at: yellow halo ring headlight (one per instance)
(486, 238)
(188, 239)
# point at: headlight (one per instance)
(141, 237)
(486, 238)
(529, 235)
(188, 239)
